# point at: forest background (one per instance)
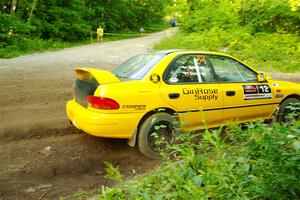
(31, 25)
(262, 33)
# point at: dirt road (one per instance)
(41, 155)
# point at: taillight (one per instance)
(102, 103)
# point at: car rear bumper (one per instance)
(102, 125)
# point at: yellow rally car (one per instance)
(205, 89)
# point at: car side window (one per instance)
(189, 69)
(230, 70)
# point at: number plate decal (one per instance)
(252, 92)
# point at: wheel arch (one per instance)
(156, 110)
(297, 96)
(132, 141)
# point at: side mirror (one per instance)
(262, 77)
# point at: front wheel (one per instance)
(155, 132)
(285, 110)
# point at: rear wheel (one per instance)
(285, 110)
(155, 132)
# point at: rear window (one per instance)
(137, 66)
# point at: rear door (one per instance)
(244, 97)
(189, 87)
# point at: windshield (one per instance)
(137, 66)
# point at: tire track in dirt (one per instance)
(71, 162)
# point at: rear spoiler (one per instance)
(101, 76)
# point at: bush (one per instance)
(270, 16)
(262, 50)
(205, 15)
(29, 45)
(257, 163)
(259, 16)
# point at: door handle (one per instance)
(230, 93)
(174, 95)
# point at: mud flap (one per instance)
(276, 113)
(131, 141)
(73, 123)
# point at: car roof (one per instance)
(182, 51)
(168, 51)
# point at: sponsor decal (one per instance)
(155, 78)
(202, 93)
(250, 89)
(252, 92)
(134, 107)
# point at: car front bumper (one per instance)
(102, 125)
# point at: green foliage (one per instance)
(270, 16)
(175, 9)
(112, 193)
(257, 163)
(63, 20)
(113, 173)
(257, 16)
(199, 16)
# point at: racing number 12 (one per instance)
(264, 89)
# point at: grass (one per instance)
(34, 45)
(263, 51)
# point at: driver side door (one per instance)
(189, 87)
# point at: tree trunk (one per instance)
(31, 11)
(13, 6)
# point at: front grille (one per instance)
(82, 89)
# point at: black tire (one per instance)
(160, 127)
(284, 111)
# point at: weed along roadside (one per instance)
(259, 162)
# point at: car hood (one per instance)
(101, 76)
(284, 83)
